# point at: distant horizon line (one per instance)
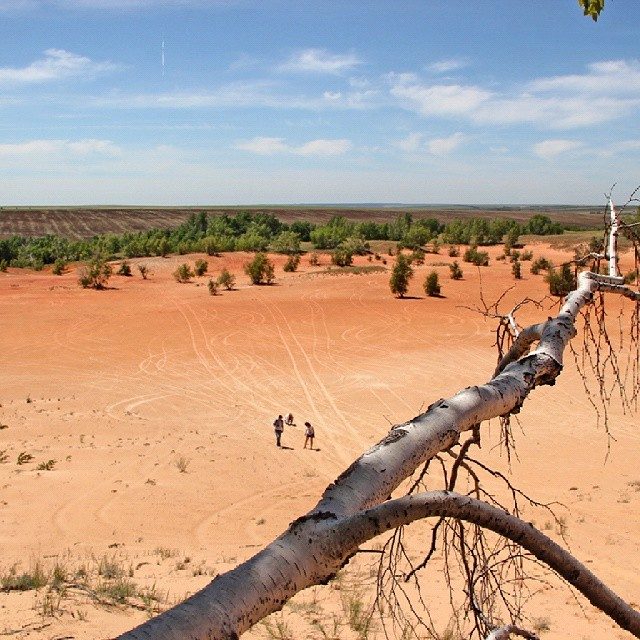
(310, 205)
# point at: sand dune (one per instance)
(156, 402)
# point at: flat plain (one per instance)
(156, 402)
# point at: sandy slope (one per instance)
(124, 386)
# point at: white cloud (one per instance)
(449, 64)
(443, 146)
(601, 78)
(323, 148)
(57, 64)
(551, 148)
(440, 99)
(607, 91)
(332, 95)
(69, 148)
(320, 61)
(271, 146)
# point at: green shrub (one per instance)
(213, 287)
(454, 251)
(286, 242)
(59, 267)
(432, 284)
(516, 270)
(292, 263)
(26, 581)
(226, 279)
(260, 270)
(314, 259)
(96, 274)
(562, 282)
(125, 269)
(3, 265)
(341, 257)
(183, 273)
(456, 271)
(526, 256)
(540, 264)
(479, 258)
(200, 267)
(400, 276)
(417, 256)
(144, 270)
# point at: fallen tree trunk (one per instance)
(356, 507)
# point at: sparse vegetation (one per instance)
(226, 279)
(292, 263)
(201, 266)
(46, 466)
(212, 285)
(182, 464)
(260, 270)
(561, 282)
(479, 258)
(516, 269)
(124, 269)
(183, 273)
(59, 267)
(24, 458)
(144, 271)
(540, 264)
(96, 274)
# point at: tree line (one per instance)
(248, 231)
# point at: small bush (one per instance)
(562, 282)
(144, 270)
(540, 264)
(24, 457)
(96, 274)
(33, 579)
(226, 279)
(59, 267)
(454, 251)
(212, 285)
(516, 270)
(292, 263)
(3, 266)
(341, 257)
(201, 267)
(432, 284)
(183, 273)
(182, 464)
(46, 466)
(260, 270)
(125, 269)
(456, 271)
(526, 256)
(314, 259)
(479, 258)
(417, 256)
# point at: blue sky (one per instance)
(431, 101)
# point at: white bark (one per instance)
(354, 508)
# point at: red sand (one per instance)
(122, 387)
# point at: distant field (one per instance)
(85, 222)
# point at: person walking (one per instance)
(309, 434)
(278, 426)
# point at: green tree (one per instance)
(292, 263)
(260, 270)
(400, 276)
(456, 271)
(432, 284)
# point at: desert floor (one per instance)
(156, 402)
